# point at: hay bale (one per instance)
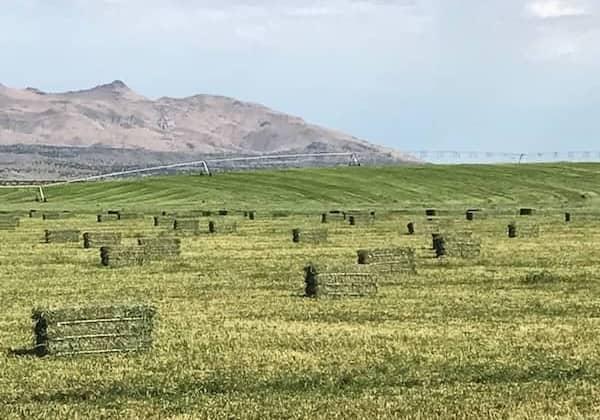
(410, 228)
(462, 245)
(526, 211)
(336, 216)
(131, 216)
(439, 245)
(524, 230)
(100, 239)
(280, 214)
(324, 218)
(338, 284)
(148, 250)
(222, 227)
(121, 256)
(360, 218)
(61, 236)
(163, 221)
(160, 248)
(187, 225)
(392, 260)
(59, 215)
(431, 212)
(223, 212)
(567, 217)
(310, 236)
(296, 235)
(93, 330)
(252, 215)
(107, 218)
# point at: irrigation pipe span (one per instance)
(202, 163)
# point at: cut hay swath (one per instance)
(93, 330)
(100, 239)
(338, 283)
(389, 260)
(61, 236)
(9, 221)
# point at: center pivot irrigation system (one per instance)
(205, 166)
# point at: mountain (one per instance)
(114, 116)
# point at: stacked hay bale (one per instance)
(93, 330)
(130, 216)
(462, 245)
(338, 283)
(164, 221)
(156, 249)
(121, 256)
(475, 214)
(147, 251)
(100, 239)
(333, 216)
(56, 215)
(309, 236)
(61, 236)
(222, 227)
(355, 217)
(186, 226)
(523, 230)
(108, 217)
(390, 260)
(526, 211)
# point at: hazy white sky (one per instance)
(506, 75)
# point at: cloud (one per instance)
(549, 9)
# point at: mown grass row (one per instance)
(377, 187)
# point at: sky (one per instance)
(483, 75)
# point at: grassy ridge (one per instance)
(379, 187)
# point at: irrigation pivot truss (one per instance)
(206, 167)
(458, 157)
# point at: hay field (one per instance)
(489, 337)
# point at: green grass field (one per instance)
(319, 189)
(235, 338)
